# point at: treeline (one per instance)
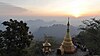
(90, 35)
(16, 40)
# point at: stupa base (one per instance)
(70, 52)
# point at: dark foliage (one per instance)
(90, 36)
(15, 38)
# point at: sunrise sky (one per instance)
(76, 8)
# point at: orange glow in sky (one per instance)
(76, 8)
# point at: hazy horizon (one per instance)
(50, 10)
(59, 19)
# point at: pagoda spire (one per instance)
(67, 45)
(68, 30)
(68, 24)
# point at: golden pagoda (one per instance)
(46, 46)
(67, 45)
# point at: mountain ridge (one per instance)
(57, 30)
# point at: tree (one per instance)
(90, 35)
(15, 38)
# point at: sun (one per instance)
(77, 8)
(74, 8)
(76, 12)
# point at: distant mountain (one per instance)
(52, 28)
(57, 30)
(36, 24)
(33, 24)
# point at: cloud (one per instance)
(7, 9)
